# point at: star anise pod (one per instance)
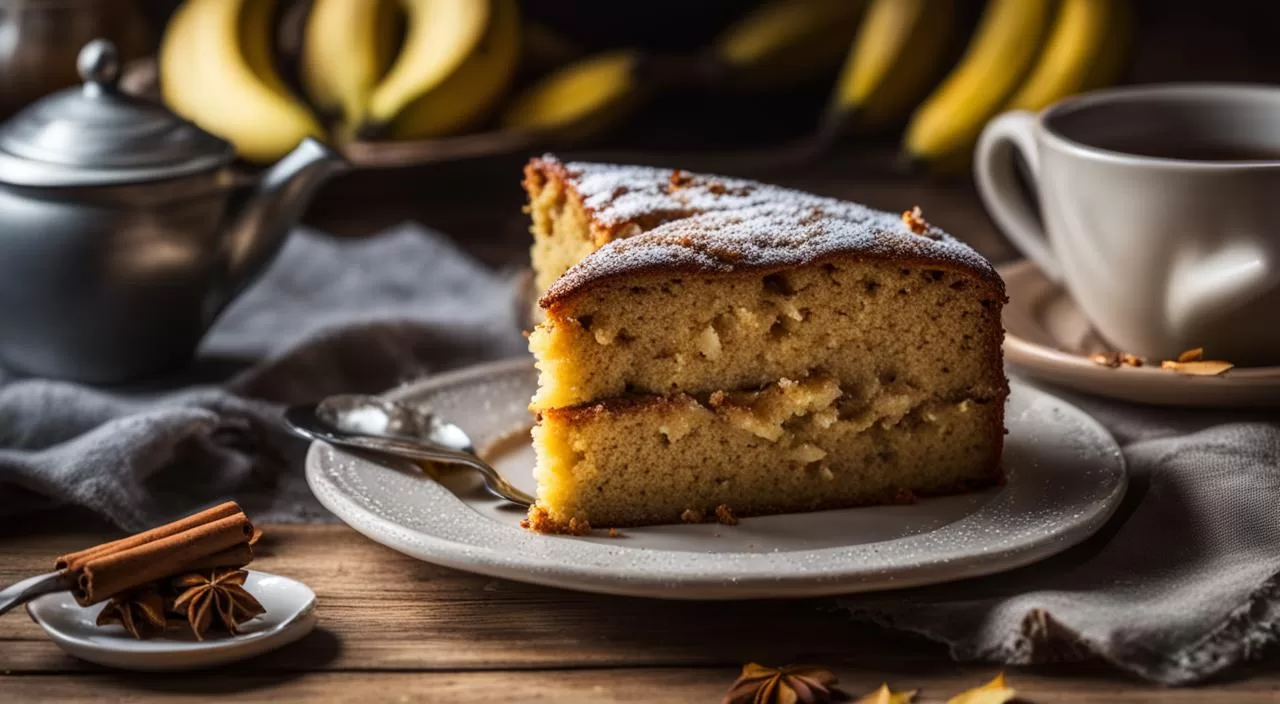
(793, 684)
(140, 612)
(220, 591)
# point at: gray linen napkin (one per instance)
(1183, 582)
(1180, 584)
(329, 316)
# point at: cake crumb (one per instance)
(540, 521)
(1131, 360)
(613, 533)
(1105, 360)
(1116, 359)
(914, 220)
(679, 179)
(693, 515)
(724, 515)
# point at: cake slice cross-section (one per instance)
(747, 349)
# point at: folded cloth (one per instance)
(329, 316)
(1181, 583)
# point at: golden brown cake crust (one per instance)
(710, 224)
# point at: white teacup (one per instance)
(1161, 212)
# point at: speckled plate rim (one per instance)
(1240, 387)
(1032, 526)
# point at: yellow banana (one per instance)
(175, 53)
(441, 35)
(896, 57)
(206, 78)
(943, 130)
(578, 100)
(346, 49)
(257, 34)
(785, 41)
(471, 91)
(1085, 50)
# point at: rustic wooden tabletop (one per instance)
(394, 628)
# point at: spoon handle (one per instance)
(30, 588)
(432, 453)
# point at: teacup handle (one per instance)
(998, 186)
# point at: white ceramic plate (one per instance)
(1047, 337)
(1065, 476)
(290, 615)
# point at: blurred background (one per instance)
(439, 102)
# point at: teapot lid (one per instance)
(95, 135)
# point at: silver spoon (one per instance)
(386, 427)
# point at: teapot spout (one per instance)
(264, 218)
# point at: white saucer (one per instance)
(290, 615)
(1065, 477)
(1047, 337)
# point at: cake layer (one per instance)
(793, 446)
(862, 321)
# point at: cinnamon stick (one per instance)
(217, 537)
(237, 556)
(76, 560)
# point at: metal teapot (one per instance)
(124, 231)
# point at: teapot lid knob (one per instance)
(99, 63)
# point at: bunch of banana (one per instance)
(215, 71)
(1024, 54)
(1085, 50)
(467, 94)
(780, 42)
(896, 58)
(348, 47)
(579, 100)
(785, 41)
(454, 64)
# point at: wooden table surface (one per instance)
(393, 628)
(396, 629)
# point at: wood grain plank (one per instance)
(383, 610)
(649, 685)
(394, 627)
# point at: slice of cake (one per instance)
(714, 347)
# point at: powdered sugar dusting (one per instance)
(710, 224)
(618, 194)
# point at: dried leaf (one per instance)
(884, 695)
(993, 692)
(1195, 354)
(1205, 367)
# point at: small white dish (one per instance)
(1064, 477)
(1047, 337)
(290, 615)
